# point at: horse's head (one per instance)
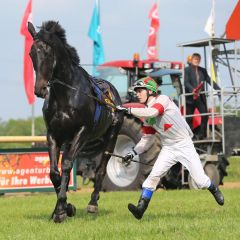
(43, 59)
(51, 55)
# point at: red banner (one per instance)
(232, 27)
(28, 68)
(23, 171)
(152, 36)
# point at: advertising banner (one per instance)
(28, 172)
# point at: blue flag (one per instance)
(95, 35)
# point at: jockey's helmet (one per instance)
(146, 82)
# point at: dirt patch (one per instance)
(228, 185)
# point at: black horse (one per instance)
(78, 111)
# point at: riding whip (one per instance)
(119, 156)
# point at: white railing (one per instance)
(224, 102)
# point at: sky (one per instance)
(124, 27)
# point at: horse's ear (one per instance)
(31, 29)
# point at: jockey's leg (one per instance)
(188, 157)
(164, 162)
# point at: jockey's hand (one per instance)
(123, 109)
(128, 157)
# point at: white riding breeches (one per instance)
(183, 152)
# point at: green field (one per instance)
(233, 170)
(180, 214)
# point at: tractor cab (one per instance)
(123, 74)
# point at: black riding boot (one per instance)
(217, 194)
(143, 202)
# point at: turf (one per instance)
(178, 214)
(233, 170)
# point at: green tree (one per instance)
(21, 127)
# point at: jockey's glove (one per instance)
(129, 156)
(123, 109)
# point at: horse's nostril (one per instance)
(37, 94)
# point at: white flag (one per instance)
(210, 25)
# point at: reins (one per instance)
(62, 83)
(112, 105)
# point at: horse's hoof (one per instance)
(92, 209)
(71, 210)
(58, 218)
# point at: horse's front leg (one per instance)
(63, 209)
(54, 153)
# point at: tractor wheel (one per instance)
(211, 171)
(120, 176)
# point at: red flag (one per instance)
(152, 36)
(28, 68)
(232, 27)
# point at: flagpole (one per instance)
(33, 119)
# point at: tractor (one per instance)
(213, 151)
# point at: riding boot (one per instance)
(216, 193)
(143, 202)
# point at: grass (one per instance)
(233, 170)
(184, 214)
(178, 214)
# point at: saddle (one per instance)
(105, 89)
(103, 92)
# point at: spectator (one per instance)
(195, 78)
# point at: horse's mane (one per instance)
(52, 27)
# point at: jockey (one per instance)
(163, 117)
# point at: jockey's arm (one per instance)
(146, 141)
(154, 111)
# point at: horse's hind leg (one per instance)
(101, 169)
